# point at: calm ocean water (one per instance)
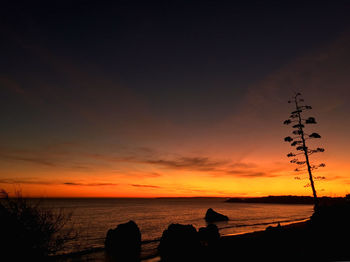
(93, 217)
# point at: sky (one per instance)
(170, 98)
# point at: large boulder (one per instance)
(209, 235)
(179, 243)
(124, 242)
(212, 216)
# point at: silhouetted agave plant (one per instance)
(299, 141)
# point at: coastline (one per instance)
(321, 237)
(289, 224)
(98, 254)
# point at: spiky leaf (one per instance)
(300, 148)
(310, 120)
(297, 132)
(288, 139)
(319, 177)
(295, 143)
(315, 135)
(299, 126)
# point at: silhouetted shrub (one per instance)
(29, 232)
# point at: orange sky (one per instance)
(243, 154)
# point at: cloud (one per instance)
(189, 163)
(250, 174)
(88, 184)
(57, 155)
(213, 167)
(11, 85)
(147, 186)
(242, 165)
(322, 76)
(34, 181)
(31, 159)
(71, 156)
(24, 181)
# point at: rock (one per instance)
(272, 229)
(124, 242)
(212, 216)
(209, 235)
(179, 243)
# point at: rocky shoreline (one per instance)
(99, 254)
(323, 237)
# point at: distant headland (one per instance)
(289, 199)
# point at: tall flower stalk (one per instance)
(299, 141)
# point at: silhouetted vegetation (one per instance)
(299, 141)
(30, 232)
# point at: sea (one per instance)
(91, 218)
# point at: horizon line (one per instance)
(166, 197)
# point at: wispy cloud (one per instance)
(147, 186)
(213, 167)
(88, 184)
(27, 158)
(25, 181)
(11, 85)
(249, 173)
(190, 163)
(64, 156)
(44, 182)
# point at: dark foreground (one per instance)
(322, 238)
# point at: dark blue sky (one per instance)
(192, 56)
